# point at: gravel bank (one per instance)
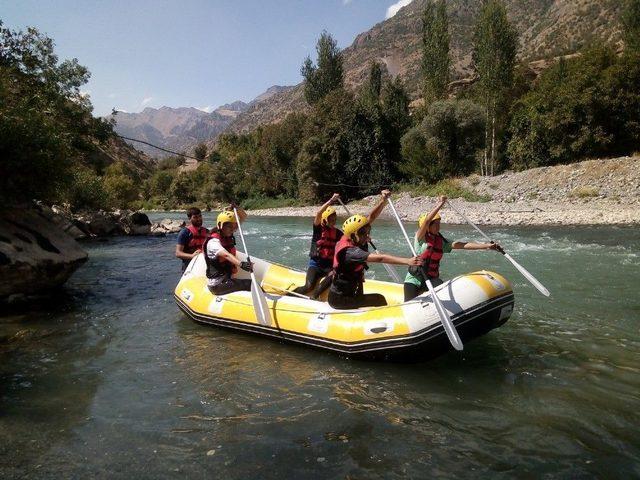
(593, 192)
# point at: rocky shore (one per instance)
(594, 192)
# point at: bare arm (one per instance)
(182, 255)
(318, 218)
(476, 246)
(242, 215)
(377, 210)
(423, 229)
(227, 256)
(384, 258)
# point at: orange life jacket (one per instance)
(198, 237)
(349, 277)
(324, 246)
(219, 266)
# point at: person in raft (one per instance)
(350, 262)
(191, 238)
(220, 255)
(430, 246)
(323, 243)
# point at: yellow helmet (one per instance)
(354, 223)
(424, 216)
(326, 214)
(226, 216)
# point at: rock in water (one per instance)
(136, 223)
(35, 254)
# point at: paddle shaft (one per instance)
(261, 310)
(525, 273)
(390, 270)
(449, 328)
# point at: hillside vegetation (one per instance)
(51, 147)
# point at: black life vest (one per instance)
(198, 237)
(219, 266)
(323, 246)
(349, 277)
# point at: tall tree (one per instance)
(631, 24)
(436, 61)
(495, 44)
(327, 75)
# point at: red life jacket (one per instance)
(432, 255)
(349, 277)
(198, 237)
(324, 246)
(219, 266)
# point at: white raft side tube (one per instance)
(197, 268)
(456, 295)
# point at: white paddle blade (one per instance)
(541, 288)
(259, 302)
(449, 329)
(392, 271)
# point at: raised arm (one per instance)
(477, 246)
(423, 228)
(317, 220)
(242, 215)
(380, 206)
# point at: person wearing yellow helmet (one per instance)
(323, 242)
(430, 245)
(220, 254)
(351, 258)
(191, 238)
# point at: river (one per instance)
(110, 380)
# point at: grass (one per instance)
(451, 187)
(584, 192)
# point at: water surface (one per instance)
(111, 380)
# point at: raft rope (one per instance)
(155, 146)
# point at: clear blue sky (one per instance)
(199, 53)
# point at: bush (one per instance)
(87, 190)
(445, 143)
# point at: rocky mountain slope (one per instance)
(547, 28)
(181, 129)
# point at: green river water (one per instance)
(111, 380)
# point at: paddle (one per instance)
(257, 295)
(390, 270)
(541, 288)
(442, 313)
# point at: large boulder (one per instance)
(100, 223)
(36, 255)
(167, 226)
(135, 223)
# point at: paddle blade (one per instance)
(541, 288)
(259, 302)
(392, 271)
(449, 328)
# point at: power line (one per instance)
(352, 186)
(159, 148)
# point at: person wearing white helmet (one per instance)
(350, 262)
(220, 255)
(323, 243)
(430, 246)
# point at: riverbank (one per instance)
(593, 192)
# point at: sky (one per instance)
(191, 53)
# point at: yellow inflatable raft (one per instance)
(477, 303)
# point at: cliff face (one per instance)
(547, 28)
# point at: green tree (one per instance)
(327, 75)
(495, 44)
(579, 108)
(200, 152)
(46, 127)
(436, 61)
(446, 143)
(631, 24)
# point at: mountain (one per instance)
(547, 28)
(181, 129)
(176, 129)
